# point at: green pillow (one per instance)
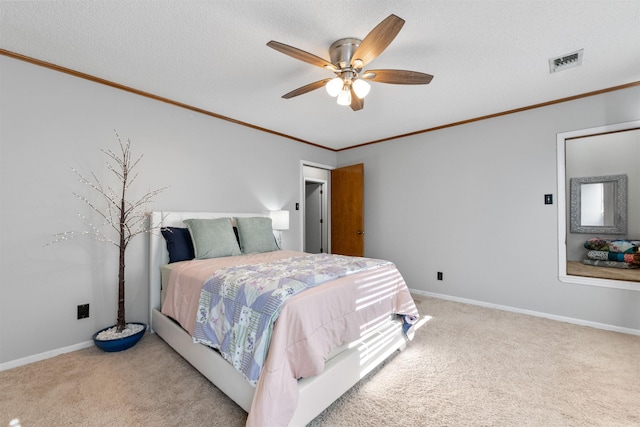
(212, 238)
(256, 235)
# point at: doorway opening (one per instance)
(315, 208)
(332, 209)
(315, 217)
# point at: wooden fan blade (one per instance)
(398, 77)
(377, 40)
(296, 53)
(307, 88)
(356, 103)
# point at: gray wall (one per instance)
(52, 122)
(469, 201)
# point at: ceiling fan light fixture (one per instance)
(334, 86)
(348, 58)
(344, 97)
(361, 88)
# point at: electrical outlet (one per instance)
(83, 311)
(439, 275)
(548, 199)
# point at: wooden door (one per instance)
(347, 210)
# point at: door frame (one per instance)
(327, 196)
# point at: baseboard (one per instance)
(580, 322)
(42, 356)
(52, 353)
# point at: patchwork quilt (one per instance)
(612, 253)
(609, 264)
(614, 256)
(621, 246)
(239, 305)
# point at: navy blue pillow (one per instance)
(179, 243)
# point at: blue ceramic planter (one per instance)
(119, 344)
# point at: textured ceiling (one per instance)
(487, 56)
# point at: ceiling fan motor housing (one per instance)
(341, 51)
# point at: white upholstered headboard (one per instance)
(158, 254)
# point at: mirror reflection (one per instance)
(599, 204)
(599, 207)
(595, 208)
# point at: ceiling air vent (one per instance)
(563, 62)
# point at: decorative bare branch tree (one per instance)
(127, 218)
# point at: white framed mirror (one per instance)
(601, 155)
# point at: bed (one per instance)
(308, 366)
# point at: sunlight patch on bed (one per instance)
(405, 307)
(368, 327)
(376, 287)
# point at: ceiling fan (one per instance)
(348, 57)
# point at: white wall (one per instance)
(51, 122)
(469, 201)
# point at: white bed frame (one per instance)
(341, 372)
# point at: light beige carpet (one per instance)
(467, 366)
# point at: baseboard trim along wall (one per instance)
(580, 322)
(43, 356)
(48, 354)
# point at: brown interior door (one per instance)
(347, 210)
